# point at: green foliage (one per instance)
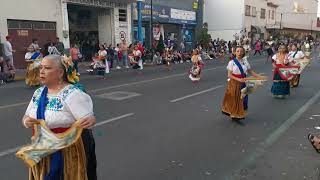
(204, 38)
(160, 46)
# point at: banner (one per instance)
(164, 14)
(159, 13)
(303, 63)
(287, 73)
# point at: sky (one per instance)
(319, 9)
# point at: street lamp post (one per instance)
(311, 26)
(139, 7)
(151, 26)
(281, 21)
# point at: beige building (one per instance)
(297, 18)
(73, 21)
(258, 16)
(256, 19)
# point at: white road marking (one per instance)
(13, 105)
(10, 151)
(127, 84)
(196, 94)
(146, 81)
(116, 86)
(113, 119)
(14, 150)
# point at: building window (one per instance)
(272, 15)
(254, 11)
(263, 13)
(122, 15)
(49, 26)
(25, 25)
(248, 8)
(269, 14)
(38, 25)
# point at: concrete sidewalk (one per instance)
(291, 157)
(20, 73)
(83, 66)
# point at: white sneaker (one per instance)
(118, 67)
(78, 74)
(127, 67)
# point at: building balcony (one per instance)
(271, 4)
(276, 25)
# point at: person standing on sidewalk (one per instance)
(257, 48)
(269, 52)
(124, 51)
(60, 46)
(117, 56)
(110, 56)
(103, 56)
(2, 75)
(74, 52)
(8, 52)
(35, 45)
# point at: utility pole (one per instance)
(139, 7)
(281, 21)
(199, 15)
(151, 26)
(311, 26)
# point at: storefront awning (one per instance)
(102, 3)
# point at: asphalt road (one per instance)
(158, 125)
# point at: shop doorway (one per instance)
(89, 26)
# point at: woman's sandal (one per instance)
(310, 138)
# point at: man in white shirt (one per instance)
(116, 56)
(8, 52)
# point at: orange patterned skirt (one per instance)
(232, 102)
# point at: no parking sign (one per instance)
(122, 35)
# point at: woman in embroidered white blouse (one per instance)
(295, 55)
(233, 105)
(65, 105)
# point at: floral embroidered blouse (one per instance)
(64, 108)
(235, 69)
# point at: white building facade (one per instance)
(257, 19)
(73, 21)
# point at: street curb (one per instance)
(19, 78)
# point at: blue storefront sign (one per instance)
(160, 13)
(164, 14)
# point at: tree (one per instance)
(204, 38)
(160, 46)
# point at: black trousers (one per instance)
(1, 66)
(256, 52)
(90, 149)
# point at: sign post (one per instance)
(123, 35)
(139, 7)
